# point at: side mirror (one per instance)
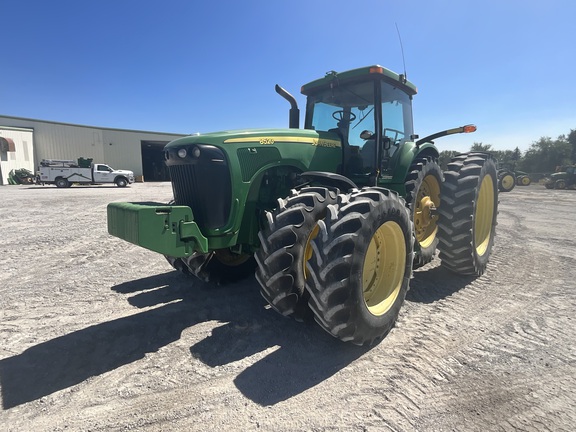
(366, 135)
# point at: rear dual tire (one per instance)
(468, 213)
(423, 185)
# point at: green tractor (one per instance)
(508, 177)
(332, 217)
(563, 178)
(523, 179)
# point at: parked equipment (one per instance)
(20, 176)
(522, 178)
(63, 173)
(506, 180)
(563, 178)
(334, 216)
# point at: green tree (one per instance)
(546, 154)
(481, 147)
(572, 142)
(445, 157)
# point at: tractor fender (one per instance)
(406, 154)
(329, 179)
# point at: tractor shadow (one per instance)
(428, 285)
(304, 355)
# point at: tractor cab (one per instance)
(370, 111)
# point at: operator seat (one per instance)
(367, 153)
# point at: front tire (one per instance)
(423, 186)
(468, 213)
(361, 265)
(121, 182)
(221, 266)
(285, 248)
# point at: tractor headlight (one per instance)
(182, 153)
(196, 152)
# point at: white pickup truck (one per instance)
(63, 173)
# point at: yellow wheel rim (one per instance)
(308, 251)
(525, 181)
(507, 181)
(384, 266)
(484, 216)
(427, 200)
(225, 256)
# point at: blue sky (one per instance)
(509, 66)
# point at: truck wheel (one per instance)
(121, 182)
(423, 185)
(62, 183)
(468, 213)
(361, 266)
(285, 248)
(506, 182)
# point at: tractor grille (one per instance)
(204, 185)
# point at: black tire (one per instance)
(221, 266)
(560, 184)
(121, 182)
(468, 213)
(178, 264)
(285, 246)
(506, 182)
(423, 185)
(525, 180)
(62, 183)
(362, 262)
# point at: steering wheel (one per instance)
(396, 132)
(340, 115)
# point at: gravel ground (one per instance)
(99, 335)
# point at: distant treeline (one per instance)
(543, 156)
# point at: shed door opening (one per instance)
(153, 166)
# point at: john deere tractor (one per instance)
(563, 178)
(332, 217)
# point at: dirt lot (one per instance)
(97, 334)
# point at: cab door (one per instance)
(102, 173)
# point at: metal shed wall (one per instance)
(21, 157)
(117, 147)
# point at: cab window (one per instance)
(396, 116)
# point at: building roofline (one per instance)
(92, 127)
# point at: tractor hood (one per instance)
(558, 175)
(261, 137)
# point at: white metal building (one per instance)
(25, 142)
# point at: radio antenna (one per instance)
(401, 49)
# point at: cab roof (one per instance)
(366, 72)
